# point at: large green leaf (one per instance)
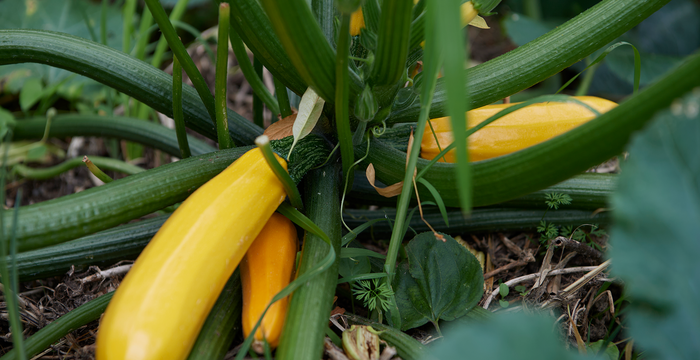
(506, 336)
(655, 247)
(70, 17)
(443, 281)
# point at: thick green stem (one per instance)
(283, 99)
(307, 46)
(342, 89)
(143, 132)
(222, 78)
(392, 42)
(310, 307)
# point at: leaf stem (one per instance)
(257, 101)
(96, 171)
(283, 99)
(225, 141)
(263, 142)
(255, 80)
(342, 89)
(179, 118)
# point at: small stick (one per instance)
(524, 278)
(579, 247)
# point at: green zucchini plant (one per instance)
(357, 95)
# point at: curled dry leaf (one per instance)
(389, 191)
(281, 129)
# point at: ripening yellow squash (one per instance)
(265, 270)
(160, 307)
(520, 129)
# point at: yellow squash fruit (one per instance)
(265, 270)
(520, 129)
(357, 22)
(160, 307)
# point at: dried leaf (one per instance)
(389, 191)
(310, 109)
(281, 129)
(479, 22)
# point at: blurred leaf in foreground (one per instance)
(655, 242)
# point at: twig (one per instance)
(582, 249)
(518, 280)
(504, 268)
(106, 274)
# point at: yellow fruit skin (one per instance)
(265, 270)
(357, 22)
(523, 128)
(162, 303)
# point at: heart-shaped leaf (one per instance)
(441, 280)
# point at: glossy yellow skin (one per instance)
(265, 270)
(162, 303)
(518, 130)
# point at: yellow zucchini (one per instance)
(265, 270)
(525, 127)
(164, 300)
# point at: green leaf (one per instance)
(31, 93)
(443, 282)
(357, 252)
(522, 29)
(505, 336)
(657, 207)
(610, 353)
(350, 267)
(36, 153)
(67, 17)
(7, 121)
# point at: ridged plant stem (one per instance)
(225, 141)
(342, 90)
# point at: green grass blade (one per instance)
(256, 83)
(179, 50)
(438, 199)
(601, 57)
(446, 15)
